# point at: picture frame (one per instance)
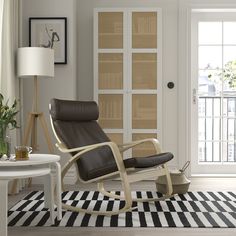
(50, 32)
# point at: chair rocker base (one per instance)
(128, 207)
(102, 190)
(105, 213)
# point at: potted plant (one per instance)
(7, 120)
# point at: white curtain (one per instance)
(1, 28)
(9, 43)
(9, 83)
(9, 47)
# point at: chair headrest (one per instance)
(68, 110)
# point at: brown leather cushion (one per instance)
(67, 110)
(154, 160)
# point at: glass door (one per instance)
(214, 94)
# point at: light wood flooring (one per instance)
(197, 184)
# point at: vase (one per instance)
(5, 144)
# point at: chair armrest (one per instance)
(126, 146)
(64, 149)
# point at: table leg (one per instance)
(48, 195)
(3, 207)
(58, 190)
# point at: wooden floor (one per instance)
(197, 184)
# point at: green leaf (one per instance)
(8, 112)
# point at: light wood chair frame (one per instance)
(127, 176)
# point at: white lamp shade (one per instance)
(33, 61)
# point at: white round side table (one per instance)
(37, 165)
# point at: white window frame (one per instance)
(196, 167)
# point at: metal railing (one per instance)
(217, 129)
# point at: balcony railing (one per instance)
(217, 129)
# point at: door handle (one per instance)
(194, 96)
(170, 85)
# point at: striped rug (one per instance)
(193, 209)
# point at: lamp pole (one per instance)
(32, 123)
(35, 94)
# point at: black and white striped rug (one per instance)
(193, 209)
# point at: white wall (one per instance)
(170, 63)
(64, 83)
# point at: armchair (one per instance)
(97, 158)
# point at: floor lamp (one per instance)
(35, 62)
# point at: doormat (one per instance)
(193, 209)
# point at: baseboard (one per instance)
(213, 175)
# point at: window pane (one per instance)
(209, 151)
(209, 106)
(210, 57)
(215, 37)
(216, 129)
(229, 72)
(225, 105)
(201, 151)
(231, 152)
(209, 82)
(216, 150)
(229, 87)
(216, 107)
(229, 55)
(225, 151)
(231, 129)
(231, 107)
(201, 106)
(224, 129)
(229, 32)
(209, 129)
(201, 129)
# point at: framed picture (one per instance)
(50, 32)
